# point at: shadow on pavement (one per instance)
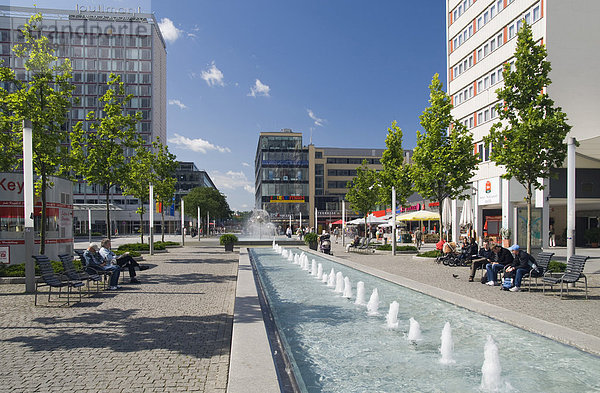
(122, 331)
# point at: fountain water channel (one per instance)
(337, 345)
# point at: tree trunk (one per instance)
(529, 197)
(141, 222)
(108, 234)
(162, 225)
(44, 213)
(441, 223)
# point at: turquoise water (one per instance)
(337, 347)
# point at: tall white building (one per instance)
(481, 36)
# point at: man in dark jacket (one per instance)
(521, 265)
(501, 257)
(483, 258)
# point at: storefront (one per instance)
(59, 219)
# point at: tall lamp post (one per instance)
(28, 205)
(182, 223)
(393, 220)
(151, 218)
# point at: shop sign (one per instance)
(434, 204)
(287, 199)
(411, 208)
(4, 254)
(488, 191)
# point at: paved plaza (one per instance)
(173, 332)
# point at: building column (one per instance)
(507, 208)
(571, 197)
(477, 224)
(542, 200)
(455, 224)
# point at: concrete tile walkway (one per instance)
(171, 333)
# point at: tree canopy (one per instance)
(44, 98)
(209, 200)
(395, 172)
(529, 138)
(100, 155)
(443, 160)
(363, 190)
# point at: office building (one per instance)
(481, 38)
(99, 42)
(293, 179)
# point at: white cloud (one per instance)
(197, 145)
(318, 122)
(213, 76)
(169, 32)
(180, 104)
(259, 89)
(245, 164)
(231, 180)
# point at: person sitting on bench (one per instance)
(95, 261)
(124, 260)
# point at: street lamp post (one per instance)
(28, 205)
(393, 220)
(151, 218)
(182, 223)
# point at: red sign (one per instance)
(434, 204)
(488, 187)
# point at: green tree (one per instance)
(137, 182)
(99, 155)
(164, 178)
(363, 191)
(9, 136)
(44, 98)
(529, 139)
(209, 200)
(443, 161)
(395, 172)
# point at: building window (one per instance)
(536, 13)
(528, 18)
(479, 22)
(470, 61)
(499, 40)
(500, 75)
(479, 118)
(492, 11)
(486, 50)
(486, 17)
(493, 79)
(480, 86)
(511, 31)
(492, 45)
(499, 4)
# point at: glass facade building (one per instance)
(281, 175)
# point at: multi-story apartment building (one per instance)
(481, 37)
(99, 42)
(293, 180)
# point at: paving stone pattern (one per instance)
(171, 333)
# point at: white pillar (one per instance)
(182, 223)
(542, 201)
(394, 220)
(507, 211)
(477, 225)
(316, 220)
(344, 224)
(151, 218)
(28, 206)
(300, 220)
(89, 225)
(199, 226)
(207, 223)
(571, 197)
(455, 218)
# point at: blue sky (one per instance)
(342, 70)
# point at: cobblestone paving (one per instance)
(171, 333)
(573, 311)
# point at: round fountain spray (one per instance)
(339, 282)
(447, 347)
(392, 315)
(325, 278)
(319, 271)
(360, 294)
(258, 226)
(414, 332)
(313, 268)
(373, 305)
(491, 379)
(331, 279)
(347, 288)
